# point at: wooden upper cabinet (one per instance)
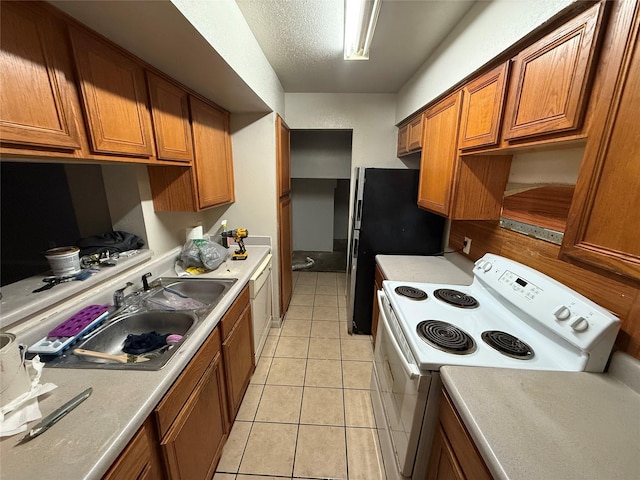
(551, 79)
(114, 97)
(439, 154)
(283, 157)
(410, 136)
(482, 108)
(213, 160)
(603, 224)
(170, 114)
(403, 131)
(35, 97)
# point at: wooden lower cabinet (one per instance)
(378, 279)
(139, 460)
(239, 360)
(453, 454)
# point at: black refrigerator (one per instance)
(386, 220)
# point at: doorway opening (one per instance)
(320, 186)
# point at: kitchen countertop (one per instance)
(452, 268)
(551, 425)
(84, 444)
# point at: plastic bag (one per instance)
(201, 253)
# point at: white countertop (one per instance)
(451, 268)
(549, 425)
(84, 444)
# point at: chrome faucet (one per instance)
(118, 295)
(145, 283)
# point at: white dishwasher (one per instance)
(260, 289)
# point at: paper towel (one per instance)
(193, 233)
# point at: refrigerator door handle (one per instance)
(359, 211)
(354, 253)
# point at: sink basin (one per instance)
(160, 310)
(188, 294)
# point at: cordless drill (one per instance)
(238, 234)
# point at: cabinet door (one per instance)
(414, 134)
(603, 224)
(35, 101)
(439, 155)
(138, 461)
(482, 107)
(551, 79)
(193, 445)
(114, 96)
(239, 361)
(285, 253)
(213, 162)
(283, 156)
(403, 131)
(170, 113)
(442, 463)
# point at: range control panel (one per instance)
(545, 300)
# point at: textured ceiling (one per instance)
(302, 39)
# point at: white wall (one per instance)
(320, 154)
(312, 204)
(221, 23)
(486, 30)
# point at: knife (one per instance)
(53, 418)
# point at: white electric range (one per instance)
(511, 316)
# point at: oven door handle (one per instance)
(410, 369)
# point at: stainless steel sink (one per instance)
(147, 312)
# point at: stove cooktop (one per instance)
(514, 316)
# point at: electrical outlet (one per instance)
(466, 246)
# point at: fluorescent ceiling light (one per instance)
(360, 18)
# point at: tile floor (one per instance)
(307, 412)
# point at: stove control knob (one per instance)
(562, 312)
(579, 324)
(487, 266)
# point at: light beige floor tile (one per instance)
(325, 301)
(292, 347)
(258, 477)
(363, 455)
(304, 289)
(234, 448)
(249, 405)
(299, 312)
(321, 452)
(328, 279)
(224, 476)
(324, 348)
(269, 346)
(262, 370)
(322, 406)
(270, 449)
(322, 329)
(296, 328)
(307, 278)
(302, 299)
(344, 330)
(280, 403)
(325, 313)
(287, 371)
(342, 314)
(326, 289)
(355, 349)
(323, 373)
(342, 301)
(357, 409)
(274, 331)
(356, 374)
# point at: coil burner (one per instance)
(507, 344)
(411, 292)
(456, 298)
(446, 337)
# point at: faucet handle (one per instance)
(118, 295)
(145, 283)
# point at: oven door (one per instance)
(402, 388)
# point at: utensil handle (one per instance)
(105, 356)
